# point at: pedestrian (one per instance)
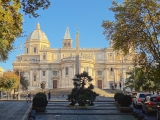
(26, 96)
(33, 95)
(115, 85)
(112, 87)
(120, 85)
(49, 95)
(29, 97)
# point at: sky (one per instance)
(85, 15)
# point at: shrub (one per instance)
(81, 93)
(125, 100)
(116, 96)
(119, 97)
(40, 100)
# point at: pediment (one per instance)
(55, 77)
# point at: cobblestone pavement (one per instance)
(104, 109)
(13, 110)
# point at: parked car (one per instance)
(158, 108)
(149, 104)
(140, 97)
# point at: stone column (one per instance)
(47, 75)
(40, 77)
(31, 76)
(105, 78)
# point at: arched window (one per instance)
(66, 70)
(99, 72)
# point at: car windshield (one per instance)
(144, 95)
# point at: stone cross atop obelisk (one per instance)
(77, 52)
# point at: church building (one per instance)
(55, 68)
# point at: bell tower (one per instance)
(67, 41)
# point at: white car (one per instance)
(138, 98)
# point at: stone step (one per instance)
(104, 103)
(74, 108)
(85, 117)
(83, 112)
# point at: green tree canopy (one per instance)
(136, 26)
(24, 83)
(11, 21)
(9, 81)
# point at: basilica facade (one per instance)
(55, 68)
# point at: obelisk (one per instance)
(77, 52)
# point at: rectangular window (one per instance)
(44, 57)
(66, 70)
(44, 73)
(99, 72)
(35, 50)
(55, 73)
(27, 50)
(34, 78)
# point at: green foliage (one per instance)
(24, 83)
(11, 21)
(9, 81)
(117, 95)
(125, 100)
(82, 93)
(40, 100)
(136, 27)
(119, 98)
(144, 79)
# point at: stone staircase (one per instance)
(104, 109)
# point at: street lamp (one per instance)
(114, 81)
(20, 46)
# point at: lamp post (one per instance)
(114, 81)
(123, 60)
(18, 97)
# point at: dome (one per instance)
(37, 34)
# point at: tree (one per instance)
(11, 21)
(82, 93)
(9, 81)
(24, 83)
(143, 79)
(136, 27)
